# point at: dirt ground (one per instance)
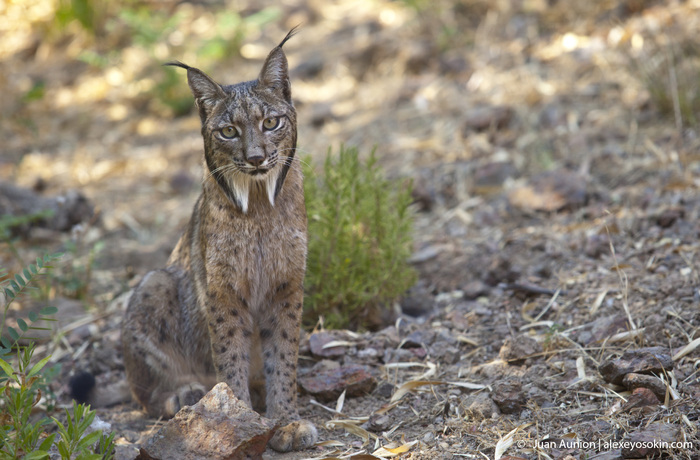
(555, 157)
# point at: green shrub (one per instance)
(22, 434)
(669, 71)
(360, 237)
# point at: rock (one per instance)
(603, 328)
(58, 213)
(597, 245)
(392, 355)
(459, 318)
(475, 289)
(425, 254)
(481, 406)
(384, 390)
(516, 351)
(641, 398)
(418, 301)
(641, 361)
(493, 175)
(550, 191)
(634, 381)
(445, 353)
(649, 442)
(419, 338)
(508, 396)
(219, 426)
(501, 271)
(378, 423)
(369, 353)
(329, 384)
(325, 365)
(319, 339)
(125, 452)
(483, 118)
(538, 395)
(669, 217)
(419, 353)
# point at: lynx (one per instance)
(227, 307)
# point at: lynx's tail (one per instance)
(84, 389)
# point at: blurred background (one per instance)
(538, 135)
(470, 99)
(466, 97)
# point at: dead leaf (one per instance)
(505, 442)
(389, 451)
(687, 349)
(411, 386)
(351, 427)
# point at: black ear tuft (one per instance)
(204, 89)
(274, 75)
(177, 64)
(289, 35)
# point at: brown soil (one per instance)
(557, 208)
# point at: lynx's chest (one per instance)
(254, 253)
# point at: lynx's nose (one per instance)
(256, 160)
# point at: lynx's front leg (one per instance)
(279, 336)
(231, 330)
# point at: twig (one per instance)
(532, 289)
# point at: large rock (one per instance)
(327, 385)
(633, 381)
(651, 441)
(641, 361)
(58, 213)
(318, 341)
(516, 350)
(508, 396)
(218, 427)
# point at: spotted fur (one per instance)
(228, 305)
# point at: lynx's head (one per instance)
(249, 128)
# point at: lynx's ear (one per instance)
(205, 90)
(274, 75)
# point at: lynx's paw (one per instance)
(297, 435)
(186, 395)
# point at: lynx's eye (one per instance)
(229, 132)
(271, 123)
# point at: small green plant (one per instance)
(11, 287)
(75, 279)
(76, 442)
(22, 434)
(10, 225)
(85, 12)
(360, 238)
(669, 71)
